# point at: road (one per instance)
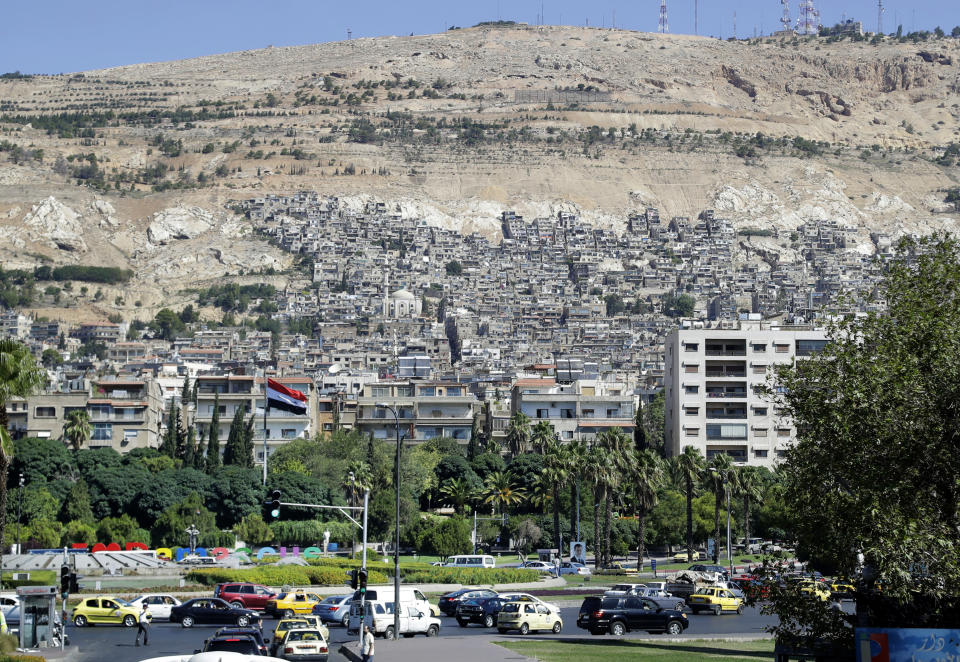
(115, 643)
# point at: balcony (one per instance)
(737, 393)
(736, 416)
(728, 373)
(726, 352)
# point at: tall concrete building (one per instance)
(712, 380)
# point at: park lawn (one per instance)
(603, 650)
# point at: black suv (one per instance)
(479, 610)
(618, 615)
(234, 643)
(448, 601)
(249, 632)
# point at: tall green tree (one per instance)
(233, 449)
(190, 448)
(501, 491)
(457, 491)
(874, 471)
(644, 483)
(213, 438)
(541, 436)
(596, 470)
(200, 454)
(748, 485)
(556, 472)
(77, 428)
(518, 433)
(687, 468)
(618, 447)
(717, 478)
(19, 376)
(168, 446)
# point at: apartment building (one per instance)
(712, 381)
(578, 410)
(425, 410)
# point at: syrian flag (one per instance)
(281, 397)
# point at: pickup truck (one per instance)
(412, 622)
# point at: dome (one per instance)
(403, 294)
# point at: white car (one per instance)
(214, 656)
(526, 597)
(158, 604)
(542, 566)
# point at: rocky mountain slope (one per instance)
(457, 127)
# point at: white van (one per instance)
(470, 561)
(377, 604)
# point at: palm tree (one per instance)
(518, 433)
(541, 436)
(618, 446)
(647, 477)
(576, 459)
(749, 487)
(596, 471)
(77, 429)
(556, 471)
(20, 376)
(355, 483)
(458, 491)
(687, 469)
(500, 490)
(718, 474)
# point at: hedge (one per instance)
(288, 575)
(424, 573)
(21, 658)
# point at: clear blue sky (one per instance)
(54, 36)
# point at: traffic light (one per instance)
(275, 504)
(74, 587)
(64, 579)
(353, 579)
(362, 579)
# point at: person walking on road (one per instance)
(143, 626)
(366, 649)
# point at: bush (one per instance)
(288, 575)
(471, 576)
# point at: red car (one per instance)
(246, 595)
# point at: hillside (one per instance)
(456, 128)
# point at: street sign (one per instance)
(653, 566)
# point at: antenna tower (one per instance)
(880, 11)
(696, 16)
(808, 23)
(785, 20)
(663, 27)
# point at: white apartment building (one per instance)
(712, 380)
(579, 410)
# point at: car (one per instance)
(681, 557)
(234, 643)
(245, 594)
(617, 568)
(659, 596)
(303, 621)
(710, 567)
(449, 601)
(479, 610)
(334, 609)
(815, 588)
(571, 568)
(526, 617)
(841, 590)
(304, 644)
(104, 609)
(158, 604)
(413, 621)
(526, 597)
(715, 599)
(288, 604)
(621, 614)
(256, 633)
(215, 656)
(542, 566)
(589, 605)
(212, 611)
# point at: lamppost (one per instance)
(396, 544)
(19, 513)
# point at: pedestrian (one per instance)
(143, 626)
(366, 649)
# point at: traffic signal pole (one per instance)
(363, 569)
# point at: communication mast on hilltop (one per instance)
(663, 27)
(785, 20)
(809, 20)
(880, 11)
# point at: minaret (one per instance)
(386, 294)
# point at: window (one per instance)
(102, 432)
(691, 368)
(454, 391)
(328, 427)
(783, 432)
(759, 432)
(588, 413)
(691, 388)
(726, 431)
(809, 347)
(405, 391)
(759, 369)
(759, 453)
(543, 413)
(759, 411)
(693, 432)
(759, 346)
(428, 391)
(781, 349)
(288, 433)
(380, 391)
(781, 454)
(567, 434)
(129, 436)
(691, 347)
(45, 412)
(691, 411)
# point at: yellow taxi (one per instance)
(815, 588)
(681, 557)
(715, 599)
(528, 616)
(104, 609)
(292, 603)
(305, 622)
(840, 590)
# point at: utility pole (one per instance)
(696, 17)
(663, 27)
(880, 11)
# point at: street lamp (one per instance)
(396, 545)
(19, 513)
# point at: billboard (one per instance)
(578, 552)
(907, 645)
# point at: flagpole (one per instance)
(266, 405)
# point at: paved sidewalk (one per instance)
(444, 647)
